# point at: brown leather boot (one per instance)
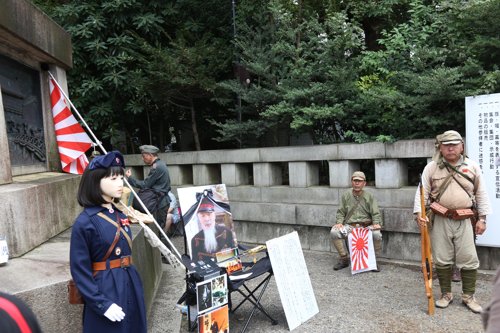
(343, 263)
(343, 256)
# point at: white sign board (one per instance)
(482, 145)
(4, 251)
(292, 279)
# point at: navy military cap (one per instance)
(113, 158)
(206, 205)
(149, 149)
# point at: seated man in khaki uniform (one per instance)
(358, 208)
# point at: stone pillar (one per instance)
(303, 174)
(341, 172)
(53, 159)
(391, 173)
(5, 167)
(267, 174)
(234, 174)
(204, 174)
(180, 174)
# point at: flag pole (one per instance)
(77, 113)
(124, 179)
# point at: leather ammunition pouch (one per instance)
(454, 214)
(74, 296)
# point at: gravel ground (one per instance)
(390, 301)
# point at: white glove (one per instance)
(114, 313)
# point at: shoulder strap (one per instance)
(465, 190)
(117, 237)
(349, 214)
(117, 225)
(465, 176)
(443, 186)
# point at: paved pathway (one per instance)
(390, 301)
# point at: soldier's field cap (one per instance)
(206, 206)
(149, 149)
(450, 138)
(358, 175)
(113, 158)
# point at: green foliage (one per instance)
(337, 70)
(298, 79)
(103, 81)
(143, 62)
(415, 86)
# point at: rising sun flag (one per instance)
(361, 249)
(72, 141)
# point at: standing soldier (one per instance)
(453, 184)
(358, 208)
(158, 179)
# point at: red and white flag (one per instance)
(72, 141)
(362, 251)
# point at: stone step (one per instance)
(40, 279)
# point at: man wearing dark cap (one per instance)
(212, 237)
(454, 184)
(358, 208)
(158, 179)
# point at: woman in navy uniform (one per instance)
(101, 253)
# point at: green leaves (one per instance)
(336, 70)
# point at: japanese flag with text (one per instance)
(361, 250)
(72, 141)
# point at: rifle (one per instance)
(426, 254)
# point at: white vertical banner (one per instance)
(482, 132)
(292, 278)
(361, 250)
(4, 251)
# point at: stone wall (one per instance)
(274, 191)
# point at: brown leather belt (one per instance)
(116, 263)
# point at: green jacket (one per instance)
(157, 179)
(367, 208)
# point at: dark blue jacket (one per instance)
(91, 238)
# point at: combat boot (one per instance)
(344, 257)
(471, 303)
(444, 276)
(343, 263)
(445, 300)
(468, 290)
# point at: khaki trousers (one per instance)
(453, 240)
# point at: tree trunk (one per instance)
(161, 135)
(196, 138)
(149, 128)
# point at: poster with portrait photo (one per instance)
(219, 290)
(211, 293)
(204, 296)
(215, 321)
(208, 221)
